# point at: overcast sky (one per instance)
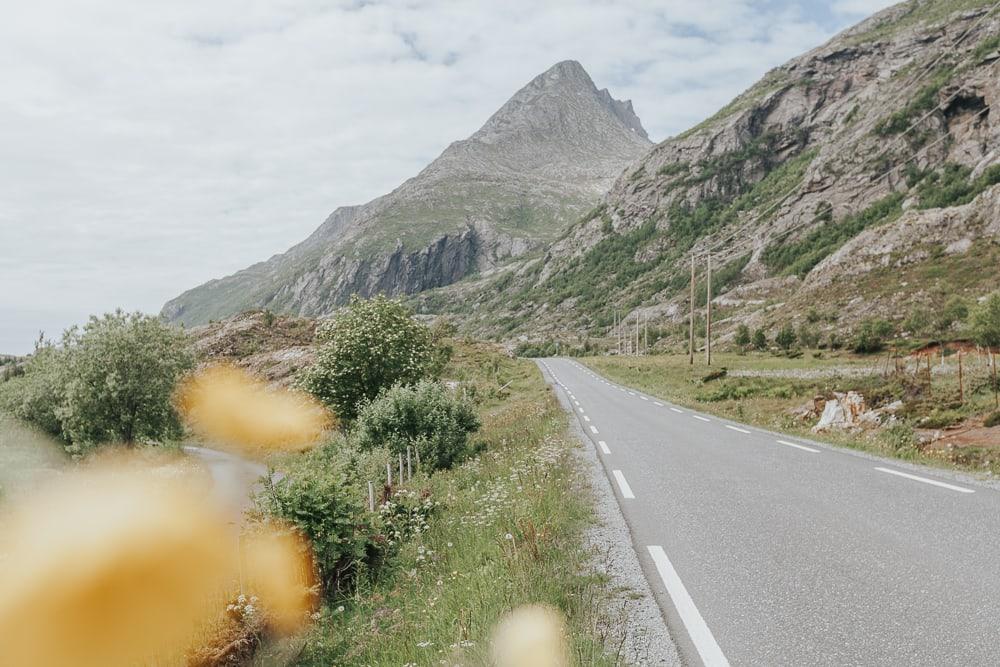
(148, 146)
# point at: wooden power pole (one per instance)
(691, 333)
(637, 334)
(708, 313)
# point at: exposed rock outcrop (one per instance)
(536, 165)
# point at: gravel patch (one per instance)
(633, 625)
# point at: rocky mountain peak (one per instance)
(562, 100)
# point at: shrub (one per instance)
(743, 336)
(870, 336)
(122, 370)
(993, 419)
(37, 395)
(786, 338)
(365, 348)
(986, 321)
(426, 416)
(808, 337)
(759, 340)
(955, 310)
(111, 381)
(317, 499)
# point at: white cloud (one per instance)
(149, 146)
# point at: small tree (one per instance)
(786, 338)
(743, 337)
(986, 321)
(365, 348)
(759, 340)
(121, 370)
(426, 416)
(871, 335)
(808, 337)
(955, 310)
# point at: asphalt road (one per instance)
(764, 549)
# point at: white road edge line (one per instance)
(604, 446)
(658, 403)
(960, 489)
(695, 625)
(737, 428)
(593, 429)
(623, 485)
(797, 446)
(586, 418)
(644, 398)
(704, 419)
(680, 412)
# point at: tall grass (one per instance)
(508, 532)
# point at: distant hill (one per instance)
(538, 164)
(857, 180)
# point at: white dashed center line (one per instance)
(593, 429)
(737, 428)
(657, 403)
(915, 478)
(701, 418)
(604, 446)
(797, 446)
(680, 412)
(586, 418)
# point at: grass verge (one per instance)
(768, 402)
(508, 531)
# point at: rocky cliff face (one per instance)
(836, 182)
(536, 165)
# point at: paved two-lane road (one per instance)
(767, 550)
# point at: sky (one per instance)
(149, 146)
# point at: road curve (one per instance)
(764, 549)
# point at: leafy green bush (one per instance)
(742, 339)
(37, 395)
(786, 338)
(365, 348)
(992, 420)
(870, 336)
(759, 340)
(122, 371)
(111, 381)
(925, 100)
(318, 499)
(955, 310)
(426, 416)
(986, 321)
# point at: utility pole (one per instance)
(645, 332)
(708, 313)
(691, 334)
(637, 334)
(961, 385)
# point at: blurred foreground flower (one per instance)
(531, 636)
(119, 565)
(228, 406)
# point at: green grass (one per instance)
(509, 533)
(767, 402)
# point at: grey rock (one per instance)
(537, 164)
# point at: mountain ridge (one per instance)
(536, 164)
(775, 183)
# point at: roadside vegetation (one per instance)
(442, 505)
(775, 382)
(450, 495)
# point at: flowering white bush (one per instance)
(365, 348)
